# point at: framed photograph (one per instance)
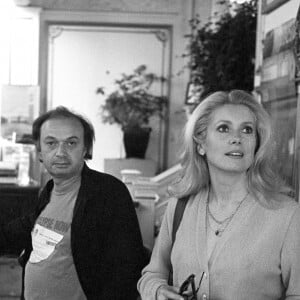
(193, 93)
(296, 46)
(19, 106)
(270, 5)
(284, 119)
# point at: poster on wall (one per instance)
(284, 118)
(193, 93)
(270, 5)
(279, 39)
(19, 106)
(296, 46)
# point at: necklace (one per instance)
(224, 223)
(217, 231)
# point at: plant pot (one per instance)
(136, 141)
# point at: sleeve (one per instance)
(156, 273)
(16, 235)
(125, 248)
(290, 258)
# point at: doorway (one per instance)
(82, 58)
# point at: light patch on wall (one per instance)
(6, 4)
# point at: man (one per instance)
(83, 239)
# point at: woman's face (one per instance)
(230, 139)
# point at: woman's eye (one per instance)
(248, 129)
(222, 128)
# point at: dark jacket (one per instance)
(105, 238)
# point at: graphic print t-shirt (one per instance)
(50, 272)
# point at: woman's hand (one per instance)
(165, 292)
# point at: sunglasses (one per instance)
(192, 293)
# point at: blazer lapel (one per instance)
(97, 214)
(89, 189)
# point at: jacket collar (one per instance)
(84, 192)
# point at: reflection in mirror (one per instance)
(19, 107)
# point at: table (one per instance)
(15, 201)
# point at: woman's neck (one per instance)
(227, 190)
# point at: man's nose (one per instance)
(61, 149)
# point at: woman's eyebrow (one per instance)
(230, 122)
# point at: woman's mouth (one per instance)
(235, 154)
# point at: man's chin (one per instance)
(61, 172)
(64, 171)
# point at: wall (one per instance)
(133, 6)
(102, 54)
(173, 14)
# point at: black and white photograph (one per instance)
(149, 149)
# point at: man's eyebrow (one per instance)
(68, 138)
(49, 137)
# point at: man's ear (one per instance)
(88, 154)
(40, 157)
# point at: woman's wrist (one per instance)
(159, 289)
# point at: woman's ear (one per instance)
(200, 150)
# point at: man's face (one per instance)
(62, 148)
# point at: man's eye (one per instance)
(248, 130)
(50, 143)
(71, 143)
(223, 128)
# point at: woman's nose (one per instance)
(235, 139)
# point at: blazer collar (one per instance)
(85, 190)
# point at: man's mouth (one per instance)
(61, 164)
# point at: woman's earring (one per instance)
(200, 150)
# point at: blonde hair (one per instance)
(262, 178)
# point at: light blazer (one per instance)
(256, 258)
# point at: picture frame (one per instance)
(296, 46)
(193, 93)
(270, 5)
(19, 106)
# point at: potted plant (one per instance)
(131, 105)
(221, 53)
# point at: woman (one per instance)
(239, 229)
